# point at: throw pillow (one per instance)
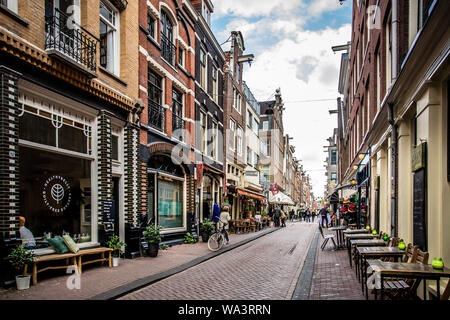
(73, 247)
(58, 244)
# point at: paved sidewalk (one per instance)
(97, 280)
(333, 279)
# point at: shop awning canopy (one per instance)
(280, 198)
(251, 194)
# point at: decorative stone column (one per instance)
(132, 175)
(9, 153)
(104, 162)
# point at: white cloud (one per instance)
(254, 8)
(317, 7)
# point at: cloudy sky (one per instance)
(292, 41)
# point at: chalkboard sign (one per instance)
(108, 211)
(419, 210)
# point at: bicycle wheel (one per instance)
(215, 241)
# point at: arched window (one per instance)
(168, 49)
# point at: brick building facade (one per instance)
(167, 135)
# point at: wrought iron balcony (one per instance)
(71, 42)
(168, 49)
(178, 127)
(155, 115)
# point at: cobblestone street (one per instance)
(265, 269)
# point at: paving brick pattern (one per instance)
(333, 278)
(264, 269)
(96, 279)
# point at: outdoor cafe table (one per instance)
(364, 253)
(363, 243)
(351, 231)
(339, 235)
(355, 236)
(409, 271)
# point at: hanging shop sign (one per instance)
(419, 157)
(56, 194)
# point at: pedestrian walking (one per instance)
(283, 219)
(300, 214)
(308, 215)
(292, 215)
(313, 215)
(216, 216)
(304, 215)
(323, 214)
(276, 216)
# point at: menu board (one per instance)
(108, 211)
(419, 210)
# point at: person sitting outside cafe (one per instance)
(26, 235)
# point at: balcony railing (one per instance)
(177, 124)
(69, 40)
(168, 50)
(155, 115)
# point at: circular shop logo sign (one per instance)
(57, 194)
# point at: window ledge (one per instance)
(13, 15)
(112, 75)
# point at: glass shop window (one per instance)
(55, 196)
(170, 203)
(53, 130)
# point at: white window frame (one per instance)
(116, 36)
(249, 119)
(155, 25)
(204, 135)
(239, 140)
(183, 56)
(233, 130)
(214, 140)
(13, 5)
(203, 70)
(255, 126)
(215, 84)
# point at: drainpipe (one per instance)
(394, 137)
(394, 32)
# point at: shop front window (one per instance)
(166, 185)
(170, 203)
(55, 195)
(207, 197)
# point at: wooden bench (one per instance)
(69, 257)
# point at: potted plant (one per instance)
(206, 229)
(115, 244)
(19, 257)
(153, 237)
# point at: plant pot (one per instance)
(205, 237)
(152, 250)
(115, 261)
(23, 282)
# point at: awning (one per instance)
(251, 194)
(280, 198)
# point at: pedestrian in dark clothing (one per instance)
(323, 214)
(304, 215)
(308, 215)
(300, 213)
(276, 216)
(313, 215)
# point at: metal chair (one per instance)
(326, 238)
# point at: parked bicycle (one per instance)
(217, 240)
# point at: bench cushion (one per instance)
(73, 247)
(58, 244)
